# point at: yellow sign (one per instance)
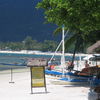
(38, 77)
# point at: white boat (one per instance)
(73, 76)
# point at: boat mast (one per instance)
(63, 51)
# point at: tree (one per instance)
(83, 15)
(14, 46)
(28, 42)
(79, 16)
(49, 45)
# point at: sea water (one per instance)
(14, 58)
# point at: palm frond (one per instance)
(59, 30)
(70, 41)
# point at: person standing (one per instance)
(70, 66)
(86, 64)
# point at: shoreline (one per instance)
(41, 53)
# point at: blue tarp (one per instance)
(72, 80)
(57, 73)
(53, 72)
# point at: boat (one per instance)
(61, 67)
(94, 91)
(86, 75)
(74, 76)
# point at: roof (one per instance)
(92, 48)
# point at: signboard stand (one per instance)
(36, 80)
(11, 77)
(37, 69)
(31, 80)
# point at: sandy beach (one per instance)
(21, 89)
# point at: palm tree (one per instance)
(79, 39)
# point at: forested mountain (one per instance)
(20, 18)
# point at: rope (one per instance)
(57, 47)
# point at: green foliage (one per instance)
(14, 46)
(78, 16)
(70, 41)
(83, 15)
(29, 44)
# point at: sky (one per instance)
(20, 18)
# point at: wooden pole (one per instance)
(11, 77)
(31, 80)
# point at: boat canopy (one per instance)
(92, 57)
(95, 58)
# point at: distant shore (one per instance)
(41, 53)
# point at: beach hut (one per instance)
(94, 47)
